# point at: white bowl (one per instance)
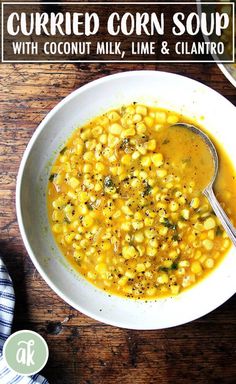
(154, 88)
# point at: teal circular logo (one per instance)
(25, 352)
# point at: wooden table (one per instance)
(83, 351)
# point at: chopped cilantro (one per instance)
(166, 141)
(168, 224)
(219, 231)
(63, 150)
(52, 176)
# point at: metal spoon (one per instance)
(208, 190)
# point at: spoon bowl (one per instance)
(208, 190)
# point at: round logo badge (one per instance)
(25, 352)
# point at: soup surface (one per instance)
(126, 206)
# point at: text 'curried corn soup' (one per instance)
(126, 206)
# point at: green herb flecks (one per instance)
(219, 231)
(147, 190)
(173, 267)
(63, 150)
(176, 237)
(168, 224)
(52, 176)
(166, 141)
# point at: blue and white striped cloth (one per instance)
(7, 303)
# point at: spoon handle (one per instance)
(220, 213)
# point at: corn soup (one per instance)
(126, 206)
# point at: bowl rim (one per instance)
(37, 132)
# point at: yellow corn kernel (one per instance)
(115, 129)
(135, 155)
(139, 237)
(57, 228)
(182, 200)
(175, 289)
(149, 121)
(163, 279)
(151, 291)
(113, 140)
(161, 173)
(142, 149)
(184, 263)
(125, 226)
(113, 116)
(226, 243)
(143, 175)
(103, 138)
(88, 156)
(122, 281)
(70, 237)
(101, 268)
(161, 117)
(209, 223)
(167, 263)
(77, 255)
(209, 263)
(140, 267)
(141, 110)
(117, 214)
(96, 131)
(63, 158)
(146, 161)
(85, 135)
(91, 275)
(137, 225)
(97, 187)
(128, 132)
(163, 230)
(126, 159)
(135, 183)
(79, 149)
(87, 221)
(195, 203)
(137, 118)
(174, 206)
(73, 182)
(129, 252)
(87, 168)
(127, 210)
(208, 244)
(153, 243)
(149, 233)
(128, 289)
(185, 214)
(141, 128)
(72, 195)
(151, 251)
(211, 234)
(172, 119)
(130, 109)
(173, 254)
(57, 215)
(83, 197)
(148, 221)
(196, 267)
(105, 246)
(151, 145)
(141, 249)
(130, 274)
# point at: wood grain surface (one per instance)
(83, 351)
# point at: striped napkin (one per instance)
(7, 303)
